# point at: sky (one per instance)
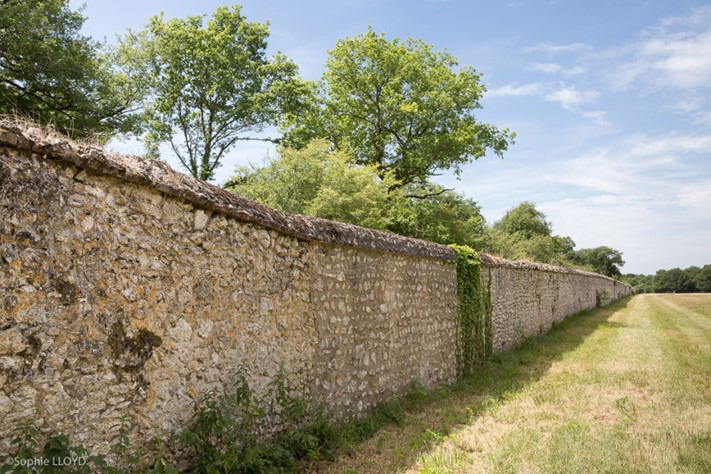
(610, 100)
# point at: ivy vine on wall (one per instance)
(475, 328)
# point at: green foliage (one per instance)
(474, 309)
(525, 220)
(55, 456)
(397, 105)
(673, 281)
(237, 431)
(702, 279)
(603, 260)
(689, 280)
(640, 283)
(525, 233)
(54, 75)
(208, 84)
(318, 182)
(429, 212)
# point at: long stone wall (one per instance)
(528, 298)
(129, 289)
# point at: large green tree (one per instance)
(525, 219)
(702, 279)
(443, 216)
(524, 232)
(53, 74)
(603, 259)
(210, 83)
(319, 182)
(673, 281)
(398, 105)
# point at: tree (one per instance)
(525, 233)
(702, 280)
(444, 216)
(318, 182)
(526, 220)
(55, 75)
(397, 105)
(673, 281)
(604, 260)
(209, 84)
(641, 283)
(321, 182)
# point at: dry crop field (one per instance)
(626, 388)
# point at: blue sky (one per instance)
(611, 101)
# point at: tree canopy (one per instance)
(525, 219)
(322, 182)
(397, 105)
(55, 75)
(524, 232)
(209, 83)
(689, 280)
(360, 146)
(603, 259)
(318, 182)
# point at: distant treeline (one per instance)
(689, 280)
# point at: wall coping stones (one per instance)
(158, 175)
(494, 261)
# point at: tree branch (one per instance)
(429, 195)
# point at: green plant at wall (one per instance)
(30, 457)
(59, 456)
(237, 430)
(488, 325)
(475, 332)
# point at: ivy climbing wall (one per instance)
(128, 289)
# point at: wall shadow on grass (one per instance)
(395, 435)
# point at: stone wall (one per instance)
(129, 289)
(528, 298)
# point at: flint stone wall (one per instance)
(528, 298)
(129, 289)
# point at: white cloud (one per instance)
(597, 117)
(511, 90)
(553, 68)
(685, 61)
(668, 56)
(644, 195)
(548, 68)
(697, 16)
(569, 97)
(554, 49)
(672, 143)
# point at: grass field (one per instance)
(626, 388)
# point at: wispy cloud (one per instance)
(672, 143)
(597, 117)
(676, 54)
(569, 97)
(512, 90)
(553, 68)
(554, 49)
(621, 195)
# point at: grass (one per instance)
(625, 388)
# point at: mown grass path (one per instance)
(626, 388)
